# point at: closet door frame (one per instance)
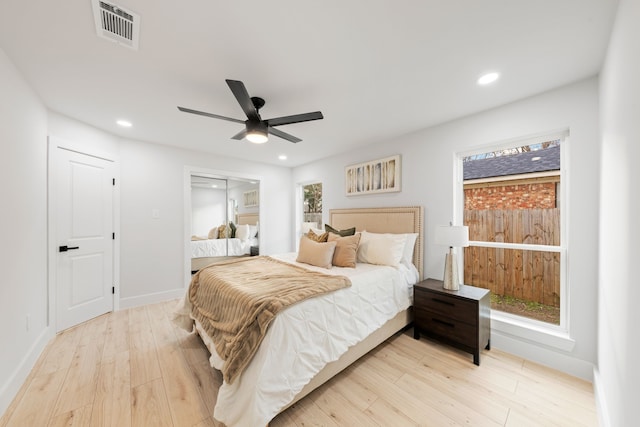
(221, 174)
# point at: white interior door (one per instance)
(84, 215)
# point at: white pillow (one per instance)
(407, 257)
(381, 249)
(253, 231)
(242, 231)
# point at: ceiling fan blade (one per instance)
(215, 116)
(241, 94)
(296, 118)
(240, 135)
(283, 135)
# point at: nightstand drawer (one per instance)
(451, 307)
(446, 327)
(460, 318)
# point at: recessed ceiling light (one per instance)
(282, 157)
(535, 159)
(124, 123)
(488, 78)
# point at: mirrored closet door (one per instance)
(224, 218)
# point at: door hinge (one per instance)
(113, 236)
(113, 290)
(114, 181)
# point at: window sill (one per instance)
(531, 330)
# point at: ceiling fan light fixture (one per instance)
(257, 130)
(257, 137)
(257, 133)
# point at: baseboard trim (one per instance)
(151, 298)
(550, 357)
(601, 399)
(10, 389)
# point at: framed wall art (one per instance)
(376, 176)
(251, 198)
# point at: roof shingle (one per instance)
(514, 164)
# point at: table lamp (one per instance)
(453, 236)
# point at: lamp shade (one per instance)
(452, 235)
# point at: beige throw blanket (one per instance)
(235, 301)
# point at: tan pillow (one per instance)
(320, 238)
(346, 249)
(213, 233)
(224, 232)
(315, 253)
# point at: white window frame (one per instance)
(299, 206)
(557, 336)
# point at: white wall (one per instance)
(23, 227)
(618, 375)
(427, 180)
(152, 250)
(208, 209)
(238, 194)
(82, 137)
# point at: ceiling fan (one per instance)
(257, 130)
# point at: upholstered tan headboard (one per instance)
(248, 218)
(384, 220)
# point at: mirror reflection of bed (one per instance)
(223, 224)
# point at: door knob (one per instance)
(66, 248)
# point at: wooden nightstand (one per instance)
(459, 318)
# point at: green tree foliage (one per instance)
(313, 198)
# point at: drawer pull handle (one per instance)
(442, 322)
(443, 302)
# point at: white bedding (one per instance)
(218, 247)
(302, 339)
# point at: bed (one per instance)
(308, 343)
(209, 248)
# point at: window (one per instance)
(511, 203)
(312, 203)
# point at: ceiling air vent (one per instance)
(116, 24)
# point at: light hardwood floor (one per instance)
(134, 368)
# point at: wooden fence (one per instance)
(313, 217)
(524, 274)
